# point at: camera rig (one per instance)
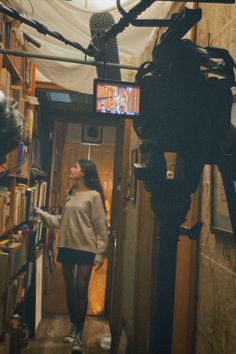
(186, 102)
(186, 105)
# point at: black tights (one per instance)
(76, 283)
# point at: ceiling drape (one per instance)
(72, 22)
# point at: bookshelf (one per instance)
(23, 186)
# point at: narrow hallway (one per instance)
(52, 330)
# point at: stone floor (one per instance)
(52, 330)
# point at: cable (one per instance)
(127, 18)
(113, 32)
(41, 28)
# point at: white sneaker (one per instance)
(77, 343)
(71, 334)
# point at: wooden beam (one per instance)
(44, 85)
(83, 117)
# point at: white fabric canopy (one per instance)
(72, 21)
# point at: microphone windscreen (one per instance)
(101, 22)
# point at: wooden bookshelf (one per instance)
(9, 65)
(20, 190)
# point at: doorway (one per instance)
(97, 143)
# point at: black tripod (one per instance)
(170, 201)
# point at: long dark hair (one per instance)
(91, 177)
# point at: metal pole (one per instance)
(18, 53)
(170, 202)
(166, 273)
(40, 27)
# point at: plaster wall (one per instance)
(130, 244)
(216, 307)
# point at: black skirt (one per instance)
(70, 256)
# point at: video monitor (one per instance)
(116, 98)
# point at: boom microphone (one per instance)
(100, 22)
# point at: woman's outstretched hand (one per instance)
(97, 265)
(38, 211)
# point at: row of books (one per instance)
(13, 256)
(36, 197)
(14, 295)
(16, 160)
(25, 200)
(16, 252)
(5, 202)
(20, 203)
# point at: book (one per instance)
(42, 194)
(5, 201)
(20, 157)
(4, 270)
(39, 229)
(31, 245)
(19, 203)
(21, 287)
(16, 256)
(30, 192)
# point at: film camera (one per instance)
(186, 102)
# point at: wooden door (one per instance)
(117, 229)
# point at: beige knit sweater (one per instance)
(82, 223)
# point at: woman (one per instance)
(82, 241)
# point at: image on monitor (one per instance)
(117, 98)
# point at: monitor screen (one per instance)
(116, 98)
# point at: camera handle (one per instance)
(171, 209)
(170, 204)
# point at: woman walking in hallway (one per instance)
(82, 241)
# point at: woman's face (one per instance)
(76, 172)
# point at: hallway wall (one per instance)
(216, 308)
(129, 246)
(134, 261)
